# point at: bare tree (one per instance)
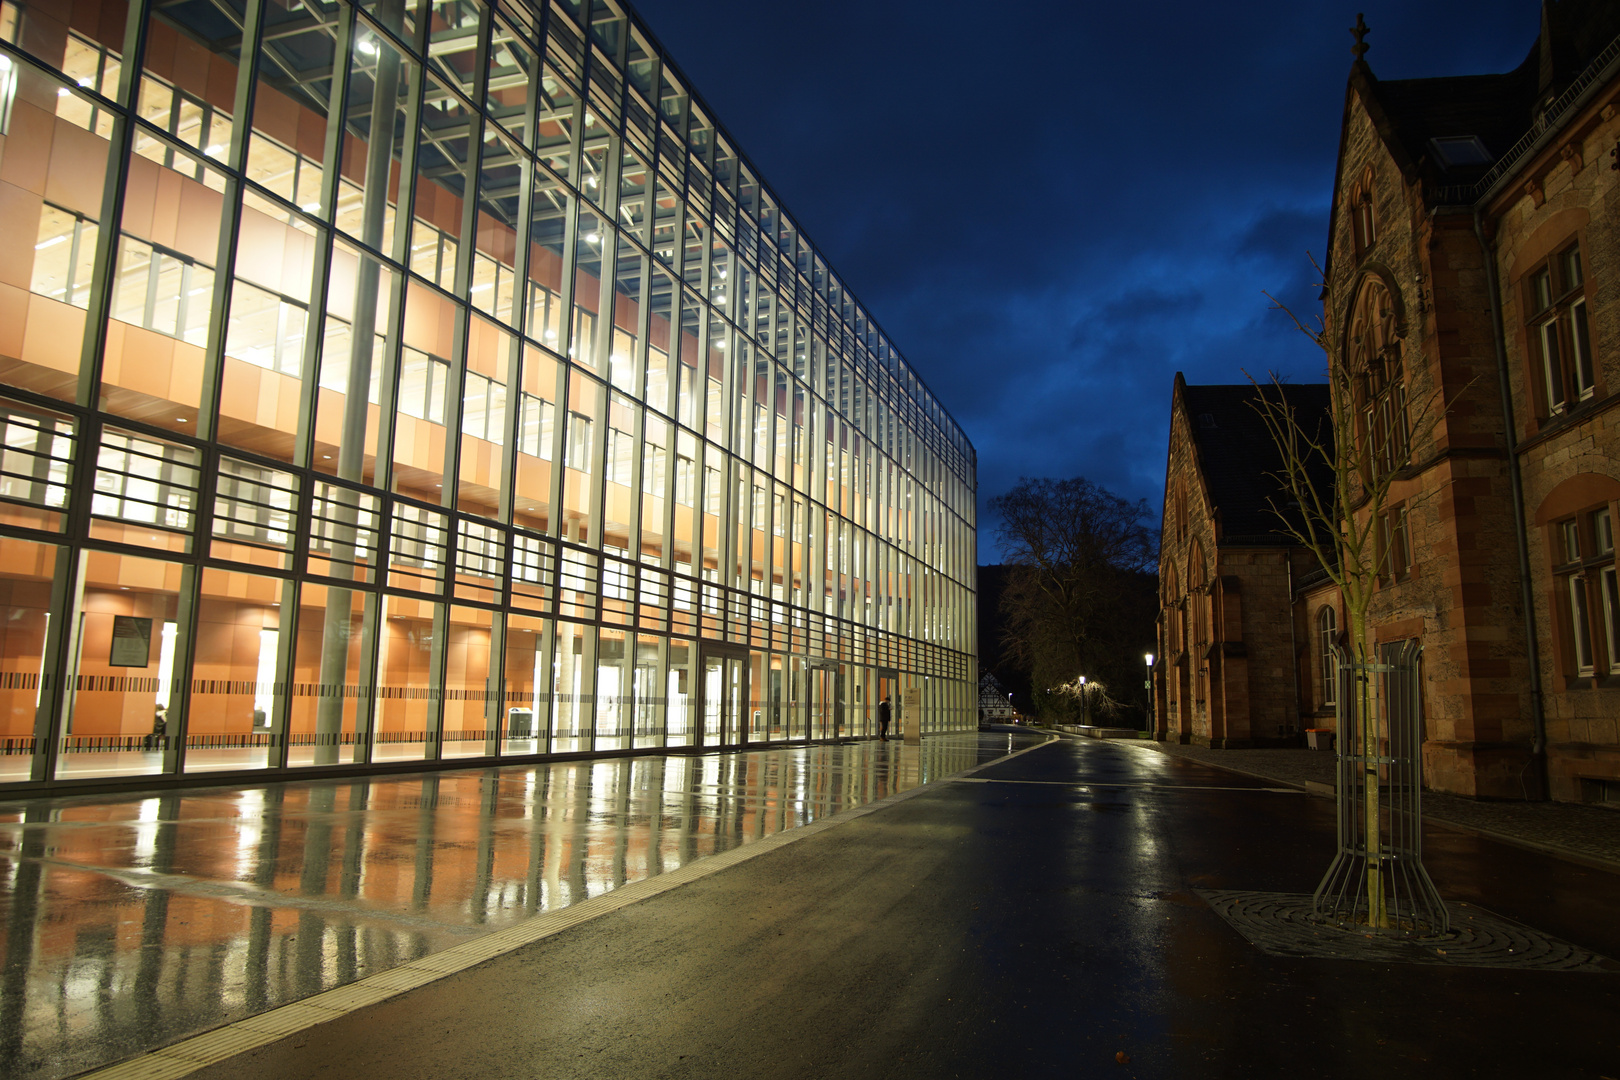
(1080, 597)
(1338, 483)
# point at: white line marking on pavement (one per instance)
(965, 779)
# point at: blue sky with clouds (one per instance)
(1052, 207)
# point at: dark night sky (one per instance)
(1053, 207)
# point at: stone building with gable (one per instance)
(1228, 573)
(1473, 262)
(1472, 254)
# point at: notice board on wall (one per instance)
(131, 642)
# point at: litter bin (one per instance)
(520, 723)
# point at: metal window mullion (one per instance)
(506, 495)
(186, 612)
(57, 666)
(466, 255)
(393, 336)
(229, 238)
(570, 254)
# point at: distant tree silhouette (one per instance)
(1080, 592)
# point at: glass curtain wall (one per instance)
(396, 381)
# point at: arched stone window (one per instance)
(1327, 634)
(1175, 635)
(1578, 516)
(1374, 356)
(1363, 221)
(1198, 593)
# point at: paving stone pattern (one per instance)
(1585, 833)
(1282, 924)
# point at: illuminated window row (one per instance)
(410, 406)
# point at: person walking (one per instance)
(883, 720)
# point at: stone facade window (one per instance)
(1395, 545)
(1376, 364)
(1560, 340)
(1327, 633)
(1363, 222)
(1586, 594)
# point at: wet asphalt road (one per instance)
(1034, 920)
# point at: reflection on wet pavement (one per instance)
(133, 921)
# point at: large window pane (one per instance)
(25, 604)
(573, 696)
(332, 677)
(471, 695)
(407, 712)
(56, 165)
(123, 694)
(238, 704)
(528, 685)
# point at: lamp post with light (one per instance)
(1084, 711)
(1147, 684)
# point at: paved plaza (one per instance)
(978, 906)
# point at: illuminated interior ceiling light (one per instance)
(589, 120)
(5, 63)
(214, 149)
(310, 207)
(551, 335)
(593, 238)
(63, 92)
(366, 47)
(52, 242)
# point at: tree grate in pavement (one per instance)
(1284, 924)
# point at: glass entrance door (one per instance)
(827, 691)
(725, 690)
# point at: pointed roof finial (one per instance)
(1360, 30)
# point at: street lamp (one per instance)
(1147, 684)
(1083, 710)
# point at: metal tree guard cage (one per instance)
(1377, 878)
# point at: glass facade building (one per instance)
(398, 381)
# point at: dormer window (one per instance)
(1459, 151)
